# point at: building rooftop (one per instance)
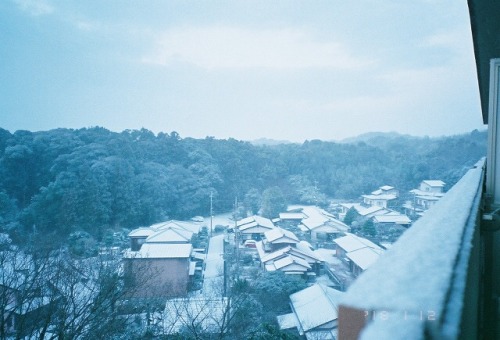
(161, 251)
(279, 234)
(315, 306)
(434, 183)
(351, 242)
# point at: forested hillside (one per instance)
(94, 180)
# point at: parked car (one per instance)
(250, 244)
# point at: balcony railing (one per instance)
(428, 284)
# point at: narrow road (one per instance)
(214, 268)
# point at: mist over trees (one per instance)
(92, 180)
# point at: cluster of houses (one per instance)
(384, 208)
(162, 259)
(167, 251)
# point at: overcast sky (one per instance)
(291, 70)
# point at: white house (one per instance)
(159, 262)
(277, 238)
(294, 259)
(392, 219)
(253, 227)
(382, 197)
(428, 193)
(362, 210)
(432, 186)
(321, 224)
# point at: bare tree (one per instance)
(49, 295)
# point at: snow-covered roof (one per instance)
(170, 235)
(141, 232)
(161, 250)
(300, 251)
(315, 306)
(430, 195)
(312, 223)
(279, 235)
(373, 210)
(364, 257)
(434, 183)
(311, 211)
(266, 257)
(305, 248)
(192, 226)
(351, 242)
(332, 223)
(386, 187)
(390, 218)
(288, 260)
(291, 216)
(254, 221)
(381, 197)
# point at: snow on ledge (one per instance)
(415, 275)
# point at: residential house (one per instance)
(358, 252)
(278, 238)
(423, 198)
(140, 235)
(361, 259)
(160, 262)
(314, 313)
(384, 197)
(158, 270)
(321, 225)
(253, 228)
(194, 226)
(297, 259)
(291, 216)
(391, 219)
(363, 211)
(432, 186)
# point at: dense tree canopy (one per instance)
(93, 180)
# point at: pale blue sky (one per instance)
(290, 70)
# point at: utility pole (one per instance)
(236, 237)
(211, 212)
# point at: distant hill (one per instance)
(267, 141)
(388, 141)
(369, 137)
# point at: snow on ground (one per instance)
(328, 255)
(214, 267)
(222, 219)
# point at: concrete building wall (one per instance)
(157, 278)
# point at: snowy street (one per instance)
(214, 263)
(214, 267)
